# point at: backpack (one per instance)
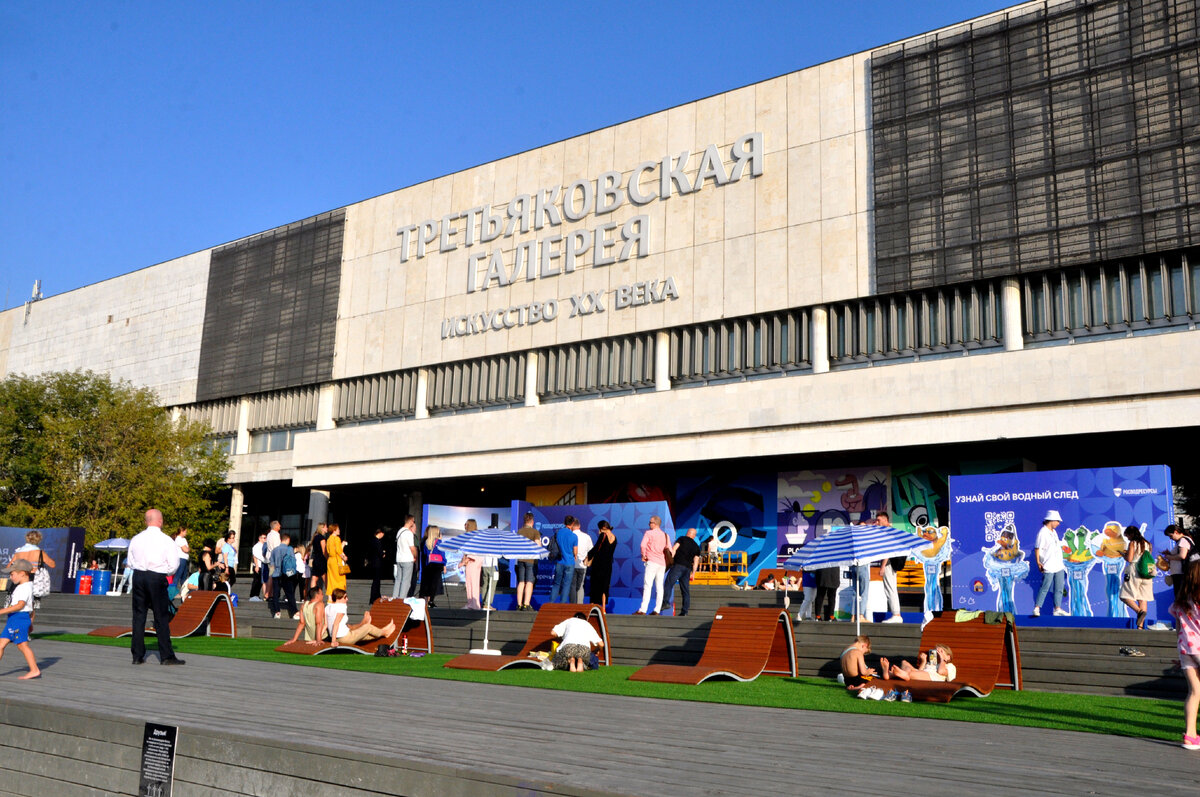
(1145, 564)
(553, 549)
(288, 565)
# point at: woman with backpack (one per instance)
(1137, 587)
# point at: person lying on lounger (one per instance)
(341, 632)
(934, 665)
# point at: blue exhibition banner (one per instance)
(996, 519)
(629, 521)
(63, 545)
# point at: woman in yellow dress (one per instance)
(334, 577)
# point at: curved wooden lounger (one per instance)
(383, 611)
(540, 638)
(209, 612)
(986, 657)
(743, 644)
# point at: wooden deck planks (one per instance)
(591, 743)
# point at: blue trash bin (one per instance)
(101, 582)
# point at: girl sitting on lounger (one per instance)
(342, 632)
(936, 665)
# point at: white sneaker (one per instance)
(276, 615)
(1061, 613)
(895, 618)
(255, 600)
(1160, 627)
(868, 693)
(1037, 611)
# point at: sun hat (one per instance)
(1052, 515)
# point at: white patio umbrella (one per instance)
(494, 542)
(853, 545)
(116, 544)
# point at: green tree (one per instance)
(80, 449)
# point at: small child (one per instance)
(855, 672)
(16, 630)
(936, 665)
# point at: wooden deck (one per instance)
(382, 734)
(1054, 659)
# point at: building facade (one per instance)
(979, 244)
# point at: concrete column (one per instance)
(533, 361)
(662, 360)
(422, 410)
(242, 445)
(819, 337)
(414, 508)
(1010, 306)
(318, 510)
(236, 503)
(325, 402)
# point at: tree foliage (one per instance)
(80, 449)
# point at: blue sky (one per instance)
(136, 132)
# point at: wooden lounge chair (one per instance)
(743, 644)
(204, 612)
(986, 657)
(540, 639)
(383, 611)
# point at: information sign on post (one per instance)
(158, 760)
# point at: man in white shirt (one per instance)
(582, 549)
(1050, 561)
(152, 556)
(272, 544)
(406, 558)
(258, 566)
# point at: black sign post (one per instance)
(158, 760)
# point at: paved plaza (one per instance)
(421, 736)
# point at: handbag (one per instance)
(41, 579)
(343, 568)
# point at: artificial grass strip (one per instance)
(1117, 716)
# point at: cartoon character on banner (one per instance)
(932, 559)
(1111, 554)
(1004, 562)
(1079, 547)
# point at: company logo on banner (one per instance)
(997, 518)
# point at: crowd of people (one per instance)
(161, 567)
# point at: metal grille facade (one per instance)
(221, 416)
(1142, 293)
(284, 409)
(1058, 134)
(597, 366)
(271, 310)
(741, 347)
(959, 318)
(486, 382)
(369, 398)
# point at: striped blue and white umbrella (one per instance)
(494, 542)
(854, 545)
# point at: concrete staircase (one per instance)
(1077, 660)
